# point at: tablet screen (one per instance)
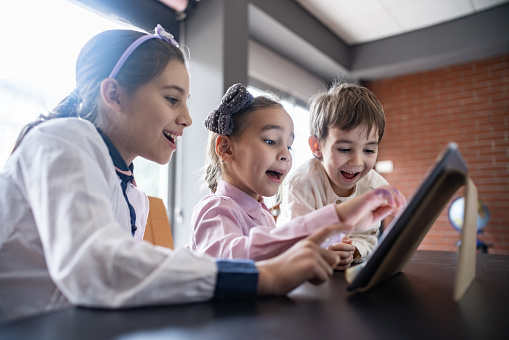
(402, 237)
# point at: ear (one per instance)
(224, 148)
(314, 145)
(110, 94)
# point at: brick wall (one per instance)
(467, 104)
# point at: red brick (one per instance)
(467, 104)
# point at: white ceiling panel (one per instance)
(373, 26)
(485, 4)
(420, 14)
(362, 21)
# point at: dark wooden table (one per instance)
(415, 304)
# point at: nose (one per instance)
(356, 159)
(285, 155)
(184, 118)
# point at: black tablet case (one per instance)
(405, 233)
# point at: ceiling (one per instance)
(359, 40)
(363, 21)
(355, 40)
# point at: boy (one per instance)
(347, 123)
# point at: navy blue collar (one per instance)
(118, 160)
(124, 172)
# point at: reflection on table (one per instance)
(415, 304)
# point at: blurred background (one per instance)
(439, 67)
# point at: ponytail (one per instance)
(68, 107)
(213, 167)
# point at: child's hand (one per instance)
(345, 251)
(305, 261)
(363, 211)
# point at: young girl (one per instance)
(249, 156)
(72, 217)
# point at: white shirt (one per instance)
(309, 189)
(65, 233)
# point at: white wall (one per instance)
(277, 72)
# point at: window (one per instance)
(40, 43)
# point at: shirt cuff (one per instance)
(236, 279)
(357, 256)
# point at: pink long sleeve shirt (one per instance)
(231, 224)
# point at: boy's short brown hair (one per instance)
(345, 106)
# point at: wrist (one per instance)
(264, 280)
(348, 228)
(340, 211)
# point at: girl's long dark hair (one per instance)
(94, 64)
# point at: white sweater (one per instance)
(308, 189)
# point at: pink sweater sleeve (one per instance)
(222, 229)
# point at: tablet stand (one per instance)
(466, 258)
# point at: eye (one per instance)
(172, 100)
(344, 150)
(370, 151)
(290, 148)
(269, 142)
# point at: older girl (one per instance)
(72, 217)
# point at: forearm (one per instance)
(120, 272)
(264, 246)
(219, 234)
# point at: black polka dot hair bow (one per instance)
(235, 99)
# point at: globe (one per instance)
(456, 210)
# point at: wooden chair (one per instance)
(158, 230)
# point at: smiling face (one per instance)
(347, 156)
(260, 156)
(153, 117)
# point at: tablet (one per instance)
(406, 231)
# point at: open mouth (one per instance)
(170, 136)
(349, 175)
(274, 174)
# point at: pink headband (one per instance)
(160, 33)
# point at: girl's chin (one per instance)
(161, 160)
(268, 193)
